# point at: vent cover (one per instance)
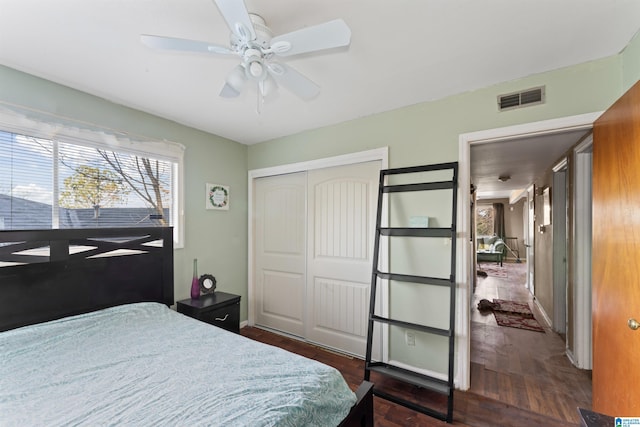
(524, 98)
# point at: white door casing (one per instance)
(559, 224)
(465, 250)
(581, 355)
(531, 236)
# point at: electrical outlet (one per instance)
(410, 338)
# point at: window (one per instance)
(71, 182)
(484, 220)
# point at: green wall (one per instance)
(428, 132)
(631, 63)
(218, 239)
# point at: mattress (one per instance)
(144, 364)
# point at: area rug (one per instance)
(493, 270)
(516, 315)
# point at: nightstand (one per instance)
(218, 309)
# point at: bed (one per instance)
(88, 338)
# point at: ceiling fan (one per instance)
(252, 41)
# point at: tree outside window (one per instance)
(91, 187)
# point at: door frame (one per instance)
(465, 248)
(560, 243)
(530, 239)
(378, 154)
(582, 345)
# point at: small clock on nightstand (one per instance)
(219, 309)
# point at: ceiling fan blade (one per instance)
(183, 45)
(318, 37)
(237, 17)
(293, 80)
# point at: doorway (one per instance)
(582, 122)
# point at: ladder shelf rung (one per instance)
(422, 186)
(415, 279)
(414, 326)
(417, 379)
(416, 232)
(424, 168)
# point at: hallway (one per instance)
(523, 368)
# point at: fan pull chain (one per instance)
(259, 98)
(258, 104)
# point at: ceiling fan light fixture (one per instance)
(234, 83)
(255, 69)
(237, 78)
(229, 92)
(268, 86)
(504, 178)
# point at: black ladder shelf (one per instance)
(438, 385)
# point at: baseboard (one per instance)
(546, 318)
(571, 358)
(422, 371)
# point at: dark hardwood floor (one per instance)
(523, 368)
(518, 377)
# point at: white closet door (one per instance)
(280, 256)
(341, 221)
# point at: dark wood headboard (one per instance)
(50, 274)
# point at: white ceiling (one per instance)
(402, 52)
(523, 160)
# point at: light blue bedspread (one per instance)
(146, 365)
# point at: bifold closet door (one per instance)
(313, 246)
(280, 252)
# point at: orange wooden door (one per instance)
(616, 257)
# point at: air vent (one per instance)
(524, 98)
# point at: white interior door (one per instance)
(341, 222)
(280, 252)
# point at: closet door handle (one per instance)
(222, 319)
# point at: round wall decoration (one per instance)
(207, 284)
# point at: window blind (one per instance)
(61, 176)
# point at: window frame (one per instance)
(478, 207)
